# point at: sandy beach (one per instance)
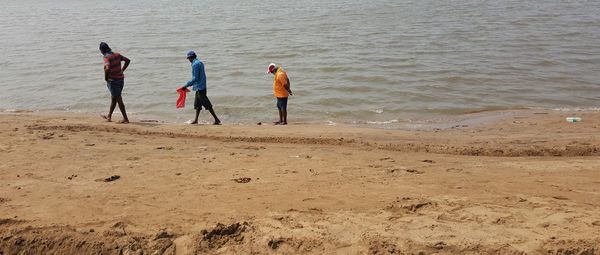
(526, 184)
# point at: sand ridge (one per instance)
(478, 142)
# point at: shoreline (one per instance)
(526, 183)
(431, 122)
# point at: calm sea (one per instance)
(353, 61)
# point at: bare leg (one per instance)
(197, 114)
(113, 103)
(122, 108)
(280, 118)
(212, 112)
(284, 121)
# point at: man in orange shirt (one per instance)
(281, 89)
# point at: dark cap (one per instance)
(104, 47)
(191, 54)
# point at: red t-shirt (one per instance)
(112, 63)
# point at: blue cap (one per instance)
(191, 54)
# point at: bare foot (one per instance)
(217, 123)
(283, 123)
(123, 122)
(106, 118)
(276, 122)
(194, 123)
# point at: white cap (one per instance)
(270, 68)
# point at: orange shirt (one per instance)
(280, 81)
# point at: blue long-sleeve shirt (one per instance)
(198, 81)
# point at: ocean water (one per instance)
(354, 61)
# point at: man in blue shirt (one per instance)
(198, 83)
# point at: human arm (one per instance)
(195, 76)
(288, 86)
(106, 69)
(127, 61)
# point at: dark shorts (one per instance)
(282, 103)
(115, 87)
(202, 100)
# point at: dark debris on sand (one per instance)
(242, 180)
(109, 179)
(223, 234)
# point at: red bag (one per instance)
(181, 100)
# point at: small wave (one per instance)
(280, 56)
(17, 111)
(577, 109)
(382, 122)
(358, 89)
(546, 63)
(333, 69)
(370, 79)
(236, 74)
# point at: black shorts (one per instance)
(202, 100)
(282, 103)
(115, 87)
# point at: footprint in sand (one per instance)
(275, 243)
(161, 234)
(46, 136)
(403, 170)
(454, 170)
(393, 170)
(414, 171)
(410, 205)
(503, 220)
(388, 159)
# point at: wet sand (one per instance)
(529, 183)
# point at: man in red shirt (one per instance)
(113, 75)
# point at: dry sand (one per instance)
(529, 183)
